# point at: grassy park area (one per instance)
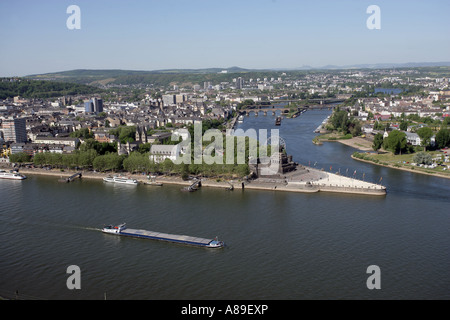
(406, 162)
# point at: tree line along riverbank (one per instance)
(436, 165)
(104, 157)
(403, 162)
(397, 146)
(331, 183)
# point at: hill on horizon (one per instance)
(167, 77)
(156, 77)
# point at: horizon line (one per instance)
(381, 65)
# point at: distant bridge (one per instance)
(272, 110)
(310, 101)
(273, 106)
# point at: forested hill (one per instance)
(190, 77)
(157, 78)
(25, 88)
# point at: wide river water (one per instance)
(279, 245)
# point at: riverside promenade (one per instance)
(339, 183)
(304, 180)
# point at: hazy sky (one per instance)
(150, 34)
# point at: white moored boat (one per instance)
(13, 175)
(123, 180)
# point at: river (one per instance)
(279, 245)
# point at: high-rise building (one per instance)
(169, 99)
(88, 106)
(239, 83)
(14, 130)
(98, 105)
(95, 105)
(180, 98)
(206, 85)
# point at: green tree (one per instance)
(422, 158)
(39, 159)
(443, 138)
(137, 162)
(378, 126)
(89, 144)
(100, 147)
(377, 142)
(242, 170)
(355, 128)
(403, 126)
(167, 166)
(125, 133)
(83, 133)
(111, 161)
(43, 89)
(19, 157)
(86, 158)
(340, 120)
(247, 102)
(106, 147)
(396, 141)
(144, 147)
(184, 171)
(425, 134)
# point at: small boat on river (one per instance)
(11, 175)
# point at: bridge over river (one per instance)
(274, 110)
(284, 106)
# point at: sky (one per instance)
(256, 34)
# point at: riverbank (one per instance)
(359, 143)
(303, 180)
(364, 145)
(404, 168)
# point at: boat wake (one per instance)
(90, 228)
(46, 224)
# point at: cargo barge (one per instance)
(122, 230)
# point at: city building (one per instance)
(160, 152)
(14, 130)
(95, 105)
(58, 141)
(98, 105)
(239, 83)
(88, 106)
(173, 99)
(169, 99)
(180, 98)
(207, 85)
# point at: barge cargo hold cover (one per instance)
(122, 230)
